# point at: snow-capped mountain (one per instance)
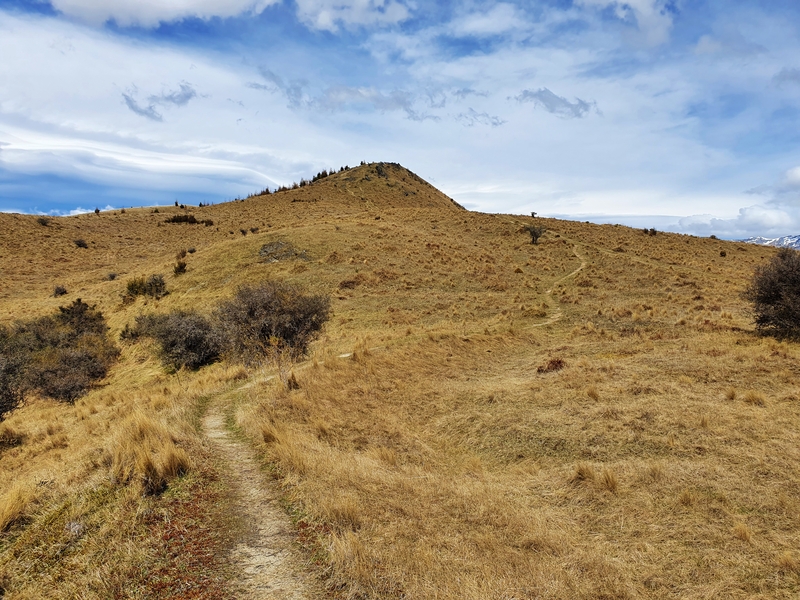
(787, 241)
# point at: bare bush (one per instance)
(186, 339)
(271, 317)
(59, 356)
(535, 231)
(774, 292)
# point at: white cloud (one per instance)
(501, 18)
(149, 13)
(730, 42)
(651, 16)
(329, 15)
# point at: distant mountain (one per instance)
(787, 241)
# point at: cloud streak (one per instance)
(557, 105)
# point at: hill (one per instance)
(592, 416)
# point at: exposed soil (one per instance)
(269, 566)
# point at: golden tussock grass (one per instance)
(13, 503)
(433, 459)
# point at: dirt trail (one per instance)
(558, 313)
(269, 566)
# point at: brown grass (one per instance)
(13, 503)
(433, 460)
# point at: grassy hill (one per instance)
(588, 417)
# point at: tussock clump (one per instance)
(147, 455)
(10, 437)
(554, 364)
(583, 473)
(81, 243)
(179, 268)
(755, 398)
(13, 504)
(154, 286)
(59, 291)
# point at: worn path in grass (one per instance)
(269, 566)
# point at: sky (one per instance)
(683, 115)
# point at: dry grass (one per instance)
(13, 503)
(510, 421)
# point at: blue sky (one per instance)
(676, 114)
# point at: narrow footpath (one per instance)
(269, 567)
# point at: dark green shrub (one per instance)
(182, 219)
(59, 356)
(535, 231)
(186, 339)
(271, 316)
(13, 360)
(774, 292)
(154, 286)
(43, 221)
(80, 243)
(59, 290)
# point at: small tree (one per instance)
(775, 294)
(536, 232)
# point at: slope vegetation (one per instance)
(588, 417)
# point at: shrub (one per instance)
(774, 292)
(80, 243)
(153, 285)
(180, 254)
(536, 231)
(271, 317)
(13, 359)
(43, 221)
(60, 356)
(191, 250)
(186, 339)
(182, 219)
(59, 290)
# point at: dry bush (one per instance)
(186, 339)
(271, 318)
(60, 356)
(774, 292)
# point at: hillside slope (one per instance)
(588, 417)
